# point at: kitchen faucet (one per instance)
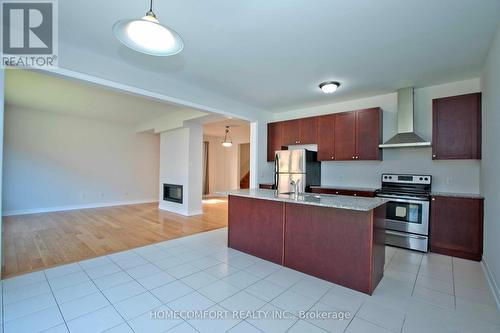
(295, 184)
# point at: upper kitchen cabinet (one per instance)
(308, 130)
(456, 128)
(368, 134)
(300, 131)
(344, 136)
(274, 139)
(357, 135)
(291, 132)
(326, 147)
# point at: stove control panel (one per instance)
(406, 179)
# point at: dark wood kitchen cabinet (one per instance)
(326, 139)
(257, 227)
(344, 136)
(456, 227)
(291, 132)
(300, 131)
(274, 139)
(358, 135)
(334, 191)
(368, 134)
(456, 127)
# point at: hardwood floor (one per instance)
(38, 241)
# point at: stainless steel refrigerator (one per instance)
(299, 165)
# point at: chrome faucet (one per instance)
(295, 184)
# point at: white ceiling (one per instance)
(48, 93)
(240, 130)
(271, 55)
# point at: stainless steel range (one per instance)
(407, 216)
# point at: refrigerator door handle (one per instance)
(276, 170)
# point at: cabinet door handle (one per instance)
(357, 157)
(353, 157)
(433, 155)
(332, 157)
(355, 195)
(433, 199)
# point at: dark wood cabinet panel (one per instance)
(456, 127)
(456, 227)
(274, 139)
(291, 132)
(352, 193)
(308, 130)
(256, 227)
(353, 243)
(368, 134)
(345, 136)
(326, 148)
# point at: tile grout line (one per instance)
(103, 307)
(57, 303)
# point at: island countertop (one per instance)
(323, 200)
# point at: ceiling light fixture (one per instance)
(148, 36)
(329, 87)
(228, 142)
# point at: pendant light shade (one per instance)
(228, 142)
(147, 35)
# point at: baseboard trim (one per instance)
(74, 207)
(491, 282)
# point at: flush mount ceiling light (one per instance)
(148, 36)
(228, 142)
(329, 87)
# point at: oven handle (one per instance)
(403, 234)
(403, 199)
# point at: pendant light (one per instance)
(228, 142)
(148, 36)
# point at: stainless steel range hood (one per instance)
(406, 137)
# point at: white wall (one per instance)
(56, 162)
(490, 184)
(181, 164)
(223, 162)
(449, 176)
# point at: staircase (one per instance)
(245, 181)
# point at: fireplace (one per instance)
(172, 193)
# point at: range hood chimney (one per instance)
(406, 137)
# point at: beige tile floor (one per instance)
(116, 293)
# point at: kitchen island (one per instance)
(336, 238)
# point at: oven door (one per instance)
(407, 215)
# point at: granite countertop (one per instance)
(458, 195)
(323, 200)
(352, 188)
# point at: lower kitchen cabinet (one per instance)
(257, 227)
(352, 193)
(456, 227)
